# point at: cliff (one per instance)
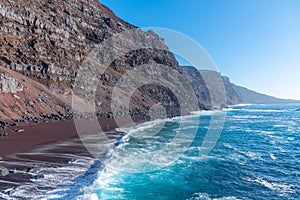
(8, 84)
(251, 97)
(199, 86)
(47, 45)
(49, 41)
(25, 99)
(221, 88)
(215, 90)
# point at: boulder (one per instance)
(8, 84)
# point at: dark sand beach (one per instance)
(53, 143)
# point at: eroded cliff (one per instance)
(49, 40)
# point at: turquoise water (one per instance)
(257, 156)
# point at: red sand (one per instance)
(43, 133)
(44, 138)
(35, 134)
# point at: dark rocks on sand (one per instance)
(3, 134)
(3, 124)
(36, 174)
(18, 130)
(13, 124)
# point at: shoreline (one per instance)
(47, 143)
(53, 143)
(25, 136)
(57, 137)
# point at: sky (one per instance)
(254, 42)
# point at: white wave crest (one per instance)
(281, 187)
(204, 196)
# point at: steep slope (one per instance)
(199, 86)
(215, 90)
(49, 40)
(212, 89)
(252, 97)
(232, 97)
(9, 84)
(47, 43)
(222, 91)
(29, 100)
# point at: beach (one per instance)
(64, 169)
(30, 146)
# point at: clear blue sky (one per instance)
(254, 42)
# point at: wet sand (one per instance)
(53, 143)
(42, 133)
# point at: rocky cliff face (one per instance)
(213, 89)
(25, 99)
(46, 43)
(8, 84)
(221, 88)
(49, 40)
(199, 86)
(232, 96)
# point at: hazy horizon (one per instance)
(254, 43)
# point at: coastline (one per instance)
(65, 152)
(215, 165)
(48, 144)
(53, 144)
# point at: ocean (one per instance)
(255, 156)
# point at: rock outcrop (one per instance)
(235, 94)
(8, 84)
(232, 97)
(213, 89)
(199, 86)
(221, 89)
(35, 101)
(48, 39)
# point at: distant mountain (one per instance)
(214, 90)
(221, 89)
(252, 97)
